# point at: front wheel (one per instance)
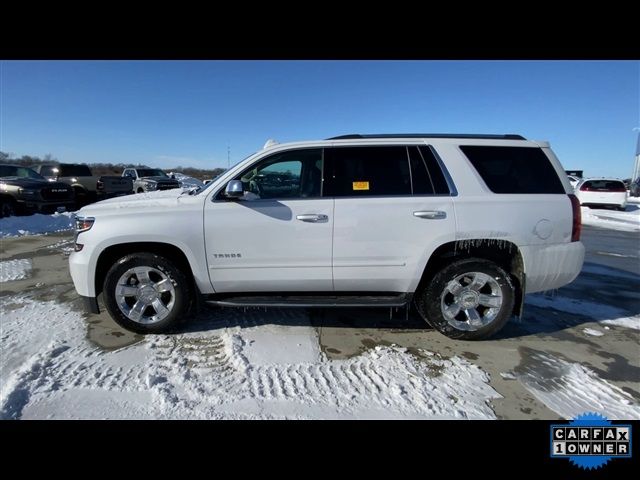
(146, 293)
(470, 299)
(7, 207)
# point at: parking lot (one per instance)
(575, 350)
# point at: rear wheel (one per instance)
(470, 299)
(146, 293)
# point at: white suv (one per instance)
(462, 225)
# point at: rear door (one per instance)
(393, 208)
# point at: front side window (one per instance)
(293, 174)
(367, 171)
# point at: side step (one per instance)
(280, 300)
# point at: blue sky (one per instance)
(169, 113)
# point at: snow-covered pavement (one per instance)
(35, 224)
(627, 221)
(50, 370)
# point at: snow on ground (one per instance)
(570, 389)
(50, 370)
(35, 224)
(628, 221)
(592, 332)
(15, 270)
(604, 314)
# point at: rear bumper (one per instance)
(551, 266)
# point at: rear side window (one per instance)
(74, 171)
(366, 171)
(47, 171)
(603, 186)
(426, 173)
(514, 169)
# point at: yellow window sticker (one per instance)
(361, 185)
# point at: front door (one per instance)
(277, 237)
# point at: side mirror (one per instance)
(234, 189)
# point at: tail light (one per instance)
(577, 218)
(100, 185)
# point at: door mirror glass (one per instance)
(234, 189)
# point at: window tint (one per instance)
(426, 172)
(514, 169)
(151, 172)
(603, 186)
(22, 172)
(74, 171)
(47, 171)
(422, 183)
(366, 171)
(294, 174)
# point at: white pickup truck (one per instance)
(462, 225)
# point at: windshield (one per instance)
(151, 172)
(23, 172)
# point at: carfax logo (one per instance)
(590, 441)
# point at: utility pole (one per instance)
(228, 156)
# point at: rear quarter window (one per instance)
(514, 169)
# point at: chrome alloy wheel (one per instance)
(471, 301)
(145, 295)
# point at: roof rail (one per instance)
(354, 136)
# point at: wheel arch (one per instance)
(504, 253)
(114, 252)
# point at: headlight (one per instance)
(84, 223)
(151, 185)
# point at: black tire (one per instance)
(428, 300)
(181, 284)
(81, 196)
(7, 207)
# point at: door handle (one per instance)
(431, 214)
(312, 217)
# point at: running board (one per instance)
(397, 300)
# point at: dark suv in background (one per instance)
(24, 191)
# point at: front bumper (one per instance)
(45, 206)
(551, 266)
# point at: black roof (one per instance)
(353, 136)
